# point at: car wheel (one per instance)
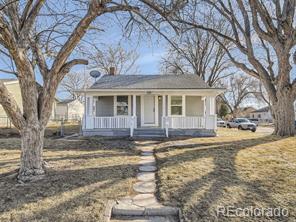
(253, 130)
(228, 126)
(240, 127)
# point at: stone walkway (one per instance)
(144, 206)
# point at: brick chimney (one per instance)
(112, 71)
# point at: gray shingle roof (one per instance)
(264, 109)
(150, 82)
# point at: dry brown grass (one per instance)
(237, 168)
(52, 130)
(83, 175)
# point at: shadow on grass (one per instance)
(58, 182)
(95, 177)
(222, 176)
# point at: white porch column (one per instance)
(163, 111)
(89, 120)
(134, 105)
(95, 99)
(210, 116)
(85, 111)
(169, 106)
(184, 105)
(135, 110)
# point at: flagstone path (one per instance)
(144, 206)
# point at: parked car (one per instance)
(254, 120)
(221, 122)
(242, 124)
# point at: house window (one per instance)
(122, 105)
(176, 105)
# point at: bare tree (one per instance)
(259, 29)
(124, 61)
(74, 81)
(41, 40)
(197, 52)
(240, 88)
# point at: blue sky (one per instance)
(150, 48)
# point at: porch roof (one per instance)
(145, 82)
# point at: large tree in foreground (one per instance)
(264, 35)
(39, 37)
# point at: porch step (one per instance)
(149, 132)
(145, 219)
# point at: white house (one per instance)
(150, 105)
(263, 115)
(69, 109)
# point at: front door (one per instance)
(149, 109)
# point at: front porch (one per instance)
(149, 114)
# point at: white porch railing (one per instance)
(211, 122)
(112, 122)
(183, 122)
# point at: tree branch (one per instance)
(264, 35)
(39, 56)
(8, 72)
(68, 65)
(28, 23)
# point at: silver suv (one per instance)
(242, 124)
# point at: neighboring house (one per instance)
(13, 87)
(150, 105)
(245, 112)
(263, 115)
(69, 109)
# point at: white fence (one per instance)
(184, 122)
(113, 122)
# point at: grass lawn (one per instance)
(83, 175)
(52, 130)
(237, 168)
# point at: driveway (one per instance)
(267, 130)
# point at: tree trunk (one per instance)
(31, 167)
(284, 115)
